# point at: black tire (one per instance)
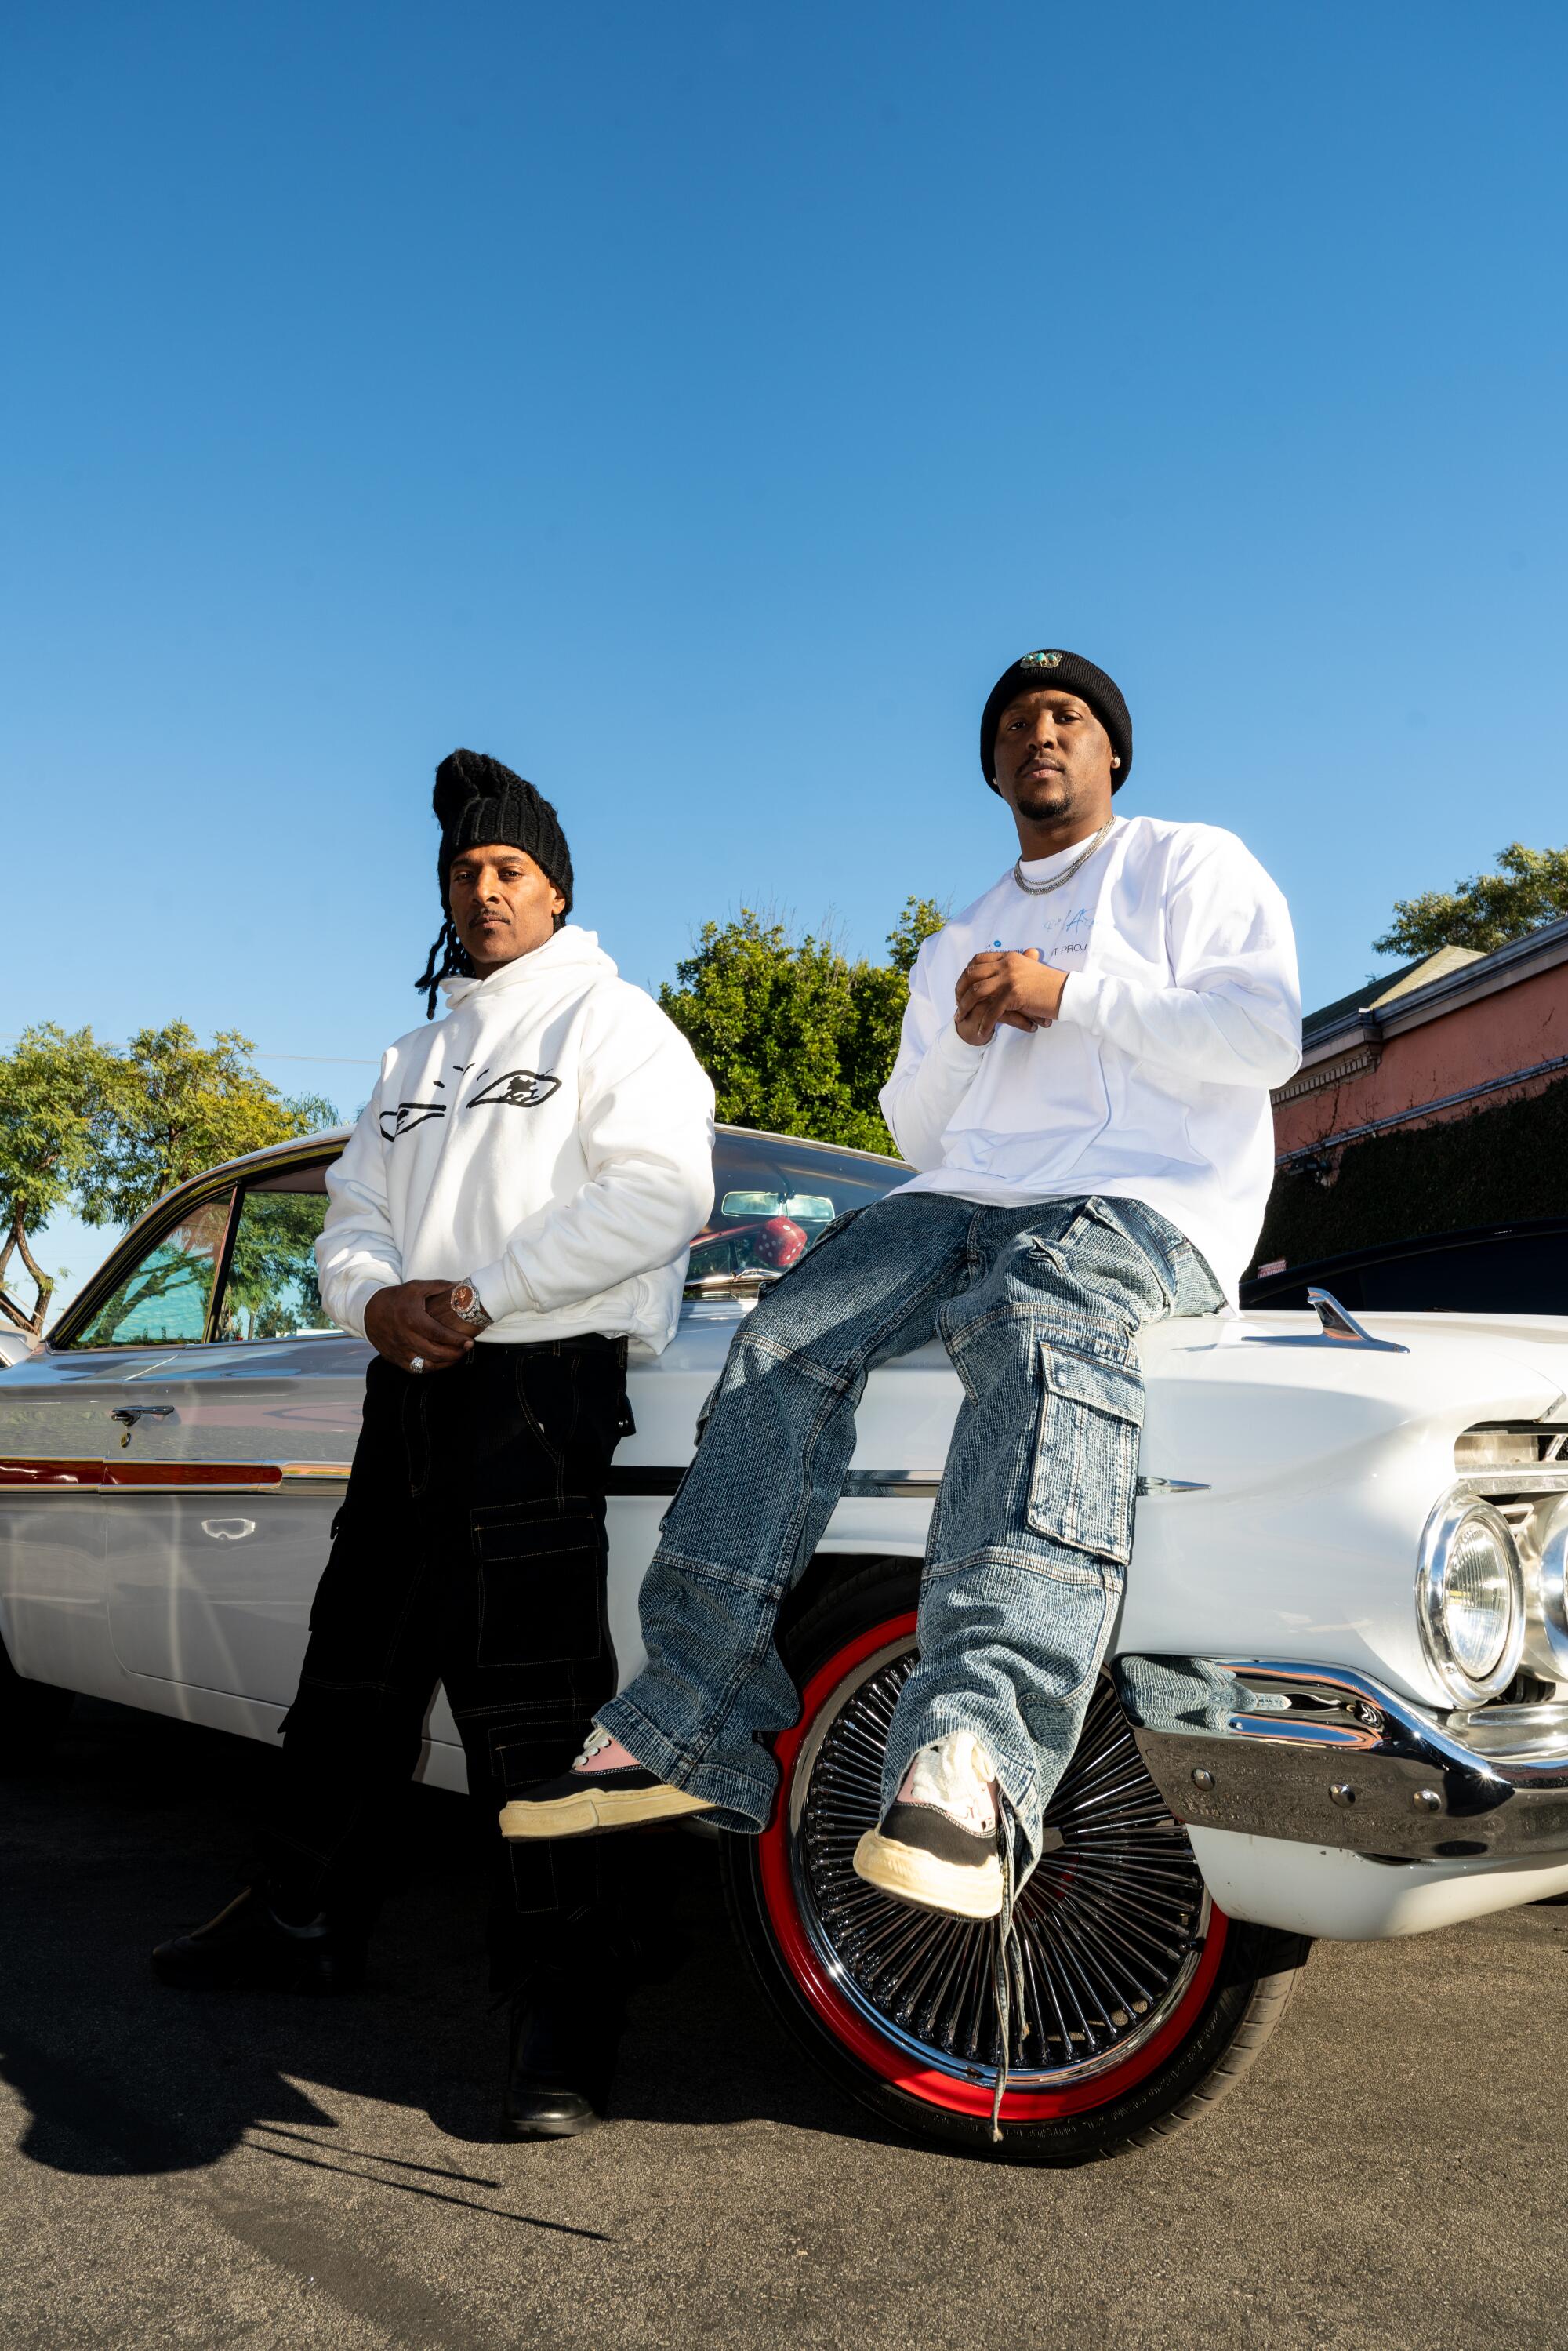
(1213, 1988)
(31, 1716)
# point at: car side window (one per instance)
(162, 1300)
(271, 1289)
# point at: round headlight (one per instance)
(1469, 1597)
(1545, 1557)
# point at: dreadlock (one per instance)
(448, 959)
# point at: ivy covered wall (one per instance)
(1496, 1166)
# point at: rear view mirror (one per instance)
(752, 1204)
(806, 1207)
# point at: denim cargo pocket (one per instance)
(1086, 1452)
(541, 1583)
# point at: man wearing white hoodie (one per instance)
(1082, 1084)
(509, 1216)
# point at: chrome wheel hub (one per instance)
(1111, 1927)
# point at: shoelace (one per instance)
(594, 1744)
(1007, 1969)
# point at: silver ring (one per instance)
(416, 1363)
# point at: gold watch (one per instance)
(465, 1303)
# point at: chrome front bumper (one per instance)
(1320, 1755)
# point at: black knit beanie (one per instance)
(480, 801)
(1076, 676)
(482, 804)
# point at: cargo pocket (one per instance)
(1086, 1452)
(541, 1583)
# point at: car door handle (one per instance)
(128, 1415)
(228, 1530)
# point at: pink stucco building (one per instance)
(1455, 1034)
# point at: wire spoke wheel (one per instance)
(1111, 1927)
(1143, 2002)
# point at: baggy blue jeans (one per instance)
(1039, 1308)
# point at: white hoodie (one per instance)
(1181, 1009)
(550, 1140)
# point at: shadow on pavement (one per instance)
(136, 1827)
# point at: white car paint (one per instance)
(1292, 1476)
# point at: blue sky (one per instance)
(697, 408)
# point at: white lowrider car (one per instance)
(1332, 1708)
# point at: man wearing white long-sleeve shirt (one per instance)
(1083, 1084)
(1110, 1024)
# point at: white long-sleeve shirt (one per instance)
(1180, 1010)
(550, 1140)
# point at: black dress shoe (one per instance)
(249, 1944)
(561, 2059)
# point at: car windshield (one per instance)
(774, 1196)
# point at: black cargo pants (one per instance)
(470, 1550)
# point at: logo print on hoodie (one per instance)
(521, 1088)
(406, 1115)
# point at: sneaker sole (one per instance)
(597, 1811)
(521, 2134)
(910, 1875)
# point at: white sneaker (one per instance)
(937, 1847)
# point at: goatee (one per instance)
(1044, 797)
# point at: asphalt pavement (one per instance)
(264, 2171)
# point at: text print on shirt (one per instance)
(409, 1115)
(521, 1089)
(1071, 937)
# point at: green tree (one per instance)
(796, 1037)
(54, 1091)
(271, 1287)
(1530, 888)
(106, 1132)
(177, 1106)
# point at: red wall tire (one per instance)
(1132, 2074)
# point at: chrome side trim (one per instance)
(860, 1485)
(1323, 1755)
(631, 1479)
(892, 1485)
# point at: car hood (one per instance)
(1230, 1397)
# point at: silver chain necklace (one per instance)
(1059, 880)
